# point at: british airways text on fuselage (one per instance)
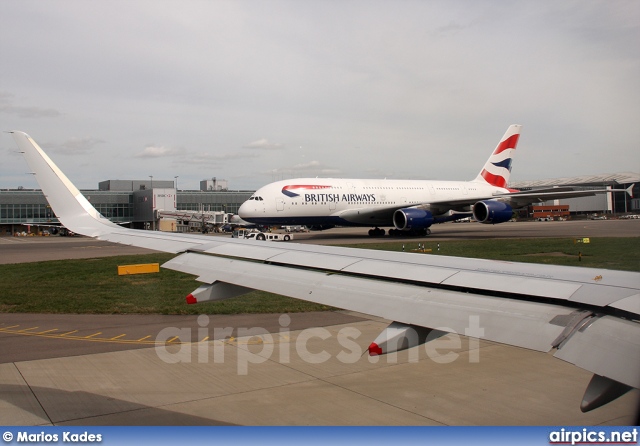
(334, 198)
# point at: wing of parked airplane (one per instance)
(519, 199)
(588, 317)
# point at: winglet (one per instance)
(497, 169)
(629, 190)
(70, 206)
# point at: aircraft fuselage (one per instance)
(355, 202)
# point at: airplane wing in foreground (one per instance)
(586, 316)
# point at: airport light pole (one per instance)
(153, 217)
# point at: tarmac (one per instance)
(33, 249)
(297, 369)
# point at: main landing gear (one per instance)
(377, 232)
(411, 233)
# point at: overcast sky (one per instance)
(260, 90)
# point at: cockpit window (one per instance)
(256, 198)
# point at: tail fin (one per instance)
(497, 169)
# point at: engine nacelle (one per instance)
(412, 219)
(492, 212)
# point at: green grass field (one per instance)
(612, 253)
(93, 286)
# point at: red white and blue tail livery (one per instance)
(497, 169)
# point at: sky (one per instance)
(254, 91)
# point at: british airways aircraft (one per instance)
(409, 206)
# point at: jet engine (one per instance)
(492, 212)
(412, 219)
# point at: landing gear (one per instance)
(412, 233)
(377, 232)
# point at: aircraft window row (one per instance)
(315, 203)
(391, 188)
(378, 188)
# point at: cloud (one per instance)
(379, 173)
(312, 168)
(75, 145)
(154, 151)
(187, 157)
(452, 27)
(213, 159)
(263, 144)
(311, 165)
(7, 106)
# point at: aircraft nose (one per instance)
(244, 210)
(251, 208)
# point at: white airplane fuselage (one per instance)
(356, 202)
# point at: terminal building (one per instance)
(618, 203)
(134, 203)
(141, 203)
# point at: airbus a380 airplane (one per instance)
(410, 206)
(585, 316)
